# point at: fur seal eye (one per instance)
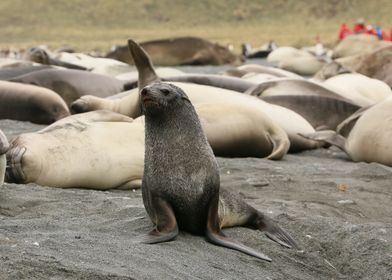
(165, 91)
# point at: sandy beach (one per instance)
(338, 211)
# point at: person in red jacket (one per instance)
(344, 31)
(359, 26)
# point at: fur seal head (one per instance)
(158, 98)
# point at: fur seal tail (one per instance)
(147, 74)
(216, 236)
(328, 136)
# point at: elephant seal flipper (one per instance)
(4, 145)
(188, 198)
(329, 136)
(143, 64)
(280, 147)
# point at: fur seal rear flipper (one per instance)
(234, 211)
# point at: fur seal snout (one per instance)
(181, 180)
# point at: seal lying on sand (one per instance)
(72, 84)
(369, 139)
(3, 149)
(181, 182)
(129, 105)
(30, 103)
(180, 51)
(99, 150)
(41, 56)
(94, 156)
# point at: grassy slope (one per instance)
(98, 24)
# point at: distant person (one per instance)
(344, 31)
(381, 34)
(370, 30)
(359, 26)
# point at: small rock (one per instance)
(346, 201)
(256, 182)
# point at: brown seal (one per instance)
(181, 180)
(30, 103)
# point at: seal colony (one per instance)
(175, 144)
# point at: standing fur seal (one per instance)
(3, 149)
(181, 182)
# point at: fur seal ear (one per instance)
(147, 74)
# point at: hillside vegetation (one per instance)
(98, 24)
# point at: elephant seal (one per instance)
(262, 69)
(358, 44)
(41, 157)
(99, 65)
(358, 88)
(30, 103)
(219, 81)
(98, 150)
(72, 84)
(181, 182)
(41, 56)
(377, 65)
(9, 73)
(3, 149)
(369, 139)
(290, 86)
(180, 51)
(129, 105)
(320, 111)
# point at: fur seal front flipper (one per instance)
(181, 182)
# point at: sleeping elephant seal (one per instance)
(41, 56)
(3, 149)
(369, 139)
(185, 198)
(358, 44)
(99, 139)
(262, 69)
(9, 73)
(180, 51)
(99, 150)
(30, 103)
(72, 84)
(289, 86)
(320, 111)
(359, 89)
(377, 65)
(129, 104)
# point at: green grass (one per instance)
(98, 24)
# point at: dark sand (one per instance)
(48, 233)
(339, 212)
